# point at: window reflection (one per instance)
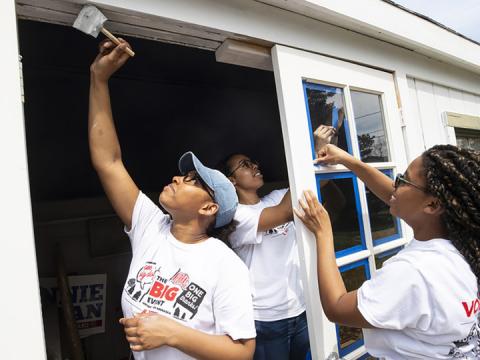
(326, 108)
(384, 226)
(468, 139)
(353, 279)
(338, 197)
(370, 126)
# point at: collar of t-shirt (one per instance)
(432, 245)
(187, 246)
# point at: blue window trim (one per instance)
(348, 349)
(309, 85)
(364, 356)
(358, 208)
(398, 235)
(389, 252)
(387, 238)
(310, 130)
(355, 264)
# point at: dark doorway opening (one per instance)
(167, 100)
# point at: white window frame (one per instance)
(291, 67)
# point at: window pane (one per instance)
(353, 278)
(382, 257)
(326, 107)
(382, 223)
(462, 142)
(338, 197)
(370, 126)
(468, 139)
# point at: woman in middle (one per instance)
(265, 240)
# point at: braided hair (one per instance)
(453, 176)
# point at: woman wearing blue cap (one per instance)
(187, 294)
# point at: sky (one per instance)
(462, 16)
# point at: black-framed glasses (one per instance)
(192, 176)
(245, 163)
(400, 178)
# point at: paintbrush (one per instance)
(90, 20)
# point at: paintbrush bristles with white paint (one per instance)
(90, 20)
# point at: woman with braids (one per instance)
(423, 303)
(187, 294)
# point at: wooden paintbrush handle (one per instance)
(116, 41)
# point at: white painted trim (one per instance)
(328, 169)
(321, 331)
(244, 54)
(249, 19)
(22, 335)
(390, 245)
(412, 131)
(449, 131)
(351, 258)
(290, 67)
(355, 354)
(462, 121)
(384, 21)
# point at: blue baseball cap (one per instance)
(224, 191)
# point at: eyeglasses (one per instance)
(245, 163)
(192, 176)
(400, 178)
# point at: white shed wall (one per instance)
(382, 20)
(21, 336)
(429, 101)
(423, 103)
(268, 23)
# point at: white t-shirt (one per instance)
(272, 257)
(424, 305)
(203, 286)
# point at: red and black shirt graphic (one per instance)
(279, 230)
(172, 294)
(469, 347)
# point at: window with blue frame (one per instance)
(360, 221)
(383, 225)
(384, 256)
(325, 107)
(338, 192)
(367, 356)
(354, 275)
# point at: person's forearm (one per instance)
(103, 141)
(330, 282)
(276, 215)
(286, 206)
(379, 183)
(211, 347)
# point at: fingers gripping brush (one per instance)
(90, 20)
